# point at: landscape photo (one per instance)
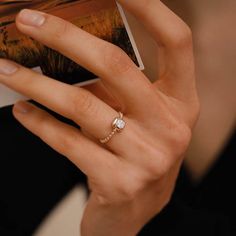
(101, 18)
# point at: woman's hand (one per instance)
(132, 176)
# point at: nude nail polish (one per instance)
(7, 67)
(31, 17)
(22, 107)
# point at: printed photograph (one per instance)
(101, 18)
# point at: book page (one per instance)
(102, 18)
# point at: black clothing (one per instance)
(207, 208)
(34, 178)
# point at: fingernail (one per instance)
(7, 67)
(22, 107)
(31, 18)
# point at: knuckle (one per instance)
(180, 138)
(61, 141)
(129, 187)
(157, 163)
(195, 113)
(115, 60)
(124, 190)
(183, 38)
(128, 192)
(120, 195)
(103, 201)
(158, 167)
(68, 142)
(82, 103)
(61, 29)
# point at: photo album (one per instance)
(102, 18)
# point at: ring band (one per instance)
(117, 125)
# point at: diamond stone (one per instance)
(119, 123)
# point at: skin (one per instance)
(216, 83)
(214, 51)
(132, 177)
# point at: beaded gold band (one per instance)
(118, 125)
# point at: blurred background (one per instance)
(25, 204)
(213, 25)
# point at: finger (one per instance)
(100, 91)
(85, 154)
(162, 23)
(104, 59)
(175, 45)
(75, 103)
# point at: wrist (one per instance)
(100, 220)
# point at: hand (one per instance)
(132, 176)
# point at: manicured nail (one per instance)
(31, 18)
(7, 67)
(22, 107)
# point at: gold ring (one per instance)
(117, 125)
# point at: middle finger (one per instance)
(75, 103)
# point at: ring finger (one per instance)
(75, 103)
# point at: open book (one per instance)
(103, 18)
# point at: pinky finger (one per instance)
(88, 156)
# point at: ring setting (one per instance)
(118, 125)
